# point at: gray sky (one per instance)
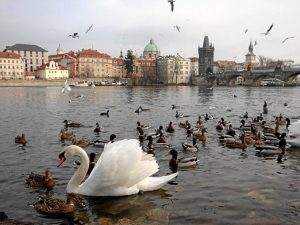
(129, 24)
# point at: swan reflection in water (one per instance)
(135, 208)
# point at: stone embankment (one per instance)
(32, 83)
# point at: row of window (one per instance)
(30, 53)
(10, 67)
(9, 61)
(11, 73)
(95, 60)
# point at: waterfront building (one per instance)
(94, 64)
(67, 59)
(206, 57)
(119, 70)
(11, 66)
(250, 60)
(223, 66)
(194, 66)
(52, 70)
(151, 50)
(33, 55)
(148, 71)
(173, 70)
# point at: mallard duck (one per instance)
(236, 144)
(21, 140)
(170, 128)
(105, 113)
(66, 135)
(82, 143)
(98, 128)
(190, 147)
(162, 139)
(55, 206)
(41, 181)
(67, 124)
(202, 137)
(182, 162)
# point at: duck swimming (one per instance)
(98, 129)
(189, 147)
(21, 140)
(105, 113)
(41, 181)
(55, 206)
(182, 162)
(66, 135)
(82, 143)
(67, 124)
(122, 169)
(170, 128)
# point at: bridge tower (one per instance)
(250, 60)
(206, 57)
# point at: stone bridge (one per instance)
(252, 78)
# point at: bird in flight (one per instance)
(89, 29)
(255, 43)
(246, 31)
(177, 27)
(172, 4)
(268, 31)
(287, 39)
(74, 35)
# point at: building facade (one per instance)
(33, 55)
(11, 66)
(206, 57)
(173, 70)
(69, 60)
(151, 50)
(194, 66)
(92, 63)
(250, 58)
(119, 70)
(51, 71)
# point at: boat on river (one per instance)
(82, 83)
(272, 82)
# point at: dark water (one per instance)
(227, 187)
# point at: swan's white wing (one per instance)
(122, 164)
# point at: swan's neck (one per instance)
(79, 175)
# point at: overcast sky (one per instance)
(129, 24)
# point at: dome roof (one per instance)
(151, 47)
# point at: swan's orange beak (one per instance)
(62, 159)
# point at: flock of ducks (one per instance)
(267, 141)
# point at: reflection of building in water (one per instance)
(206, 57)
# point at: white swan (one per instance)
(122, 169)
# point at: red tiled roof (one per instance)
(9, 55)
(89, 53)
(43, 66)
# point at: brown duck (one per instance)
(41, 181)
(55, 206)
(21, 140)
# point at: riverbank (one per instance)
(32, 83)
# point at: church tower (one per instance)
(206, 57)
(250, 58)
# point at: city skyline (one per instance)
(130, 25)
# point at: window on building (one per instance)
(30, 53)
(37, 61)
(31, 68)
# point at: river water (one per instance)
(228, 186)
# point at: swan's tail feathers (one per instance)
(155, 183)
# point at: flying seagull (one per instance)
(177, 27)
(268, 31)
(172, 4)
(66, 87)
(89, 29)
(246, 31)
(287, 39)
(255, 43)
(74, 35)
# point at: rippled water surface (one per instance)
(229, 186)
